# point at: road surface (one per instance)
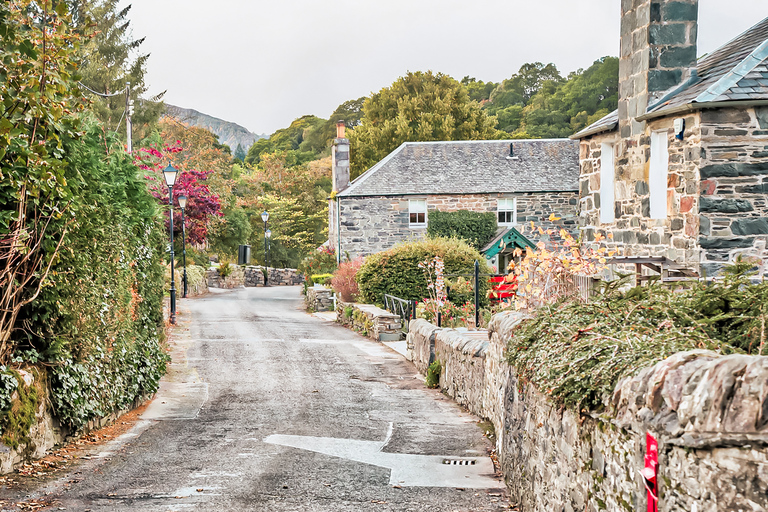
(266, 407)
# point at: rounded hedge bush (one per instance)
(396, 271)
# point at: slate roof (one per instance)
(737, 71)
(472, 167)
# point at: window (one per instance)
(607, 197)
(657, 176)
(507, 212)
(417, 213)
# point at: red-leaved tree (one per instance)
(202, 204)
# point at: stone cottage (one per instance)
(680, 170)
(520, 180)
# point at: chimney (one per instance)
(340, 159)
(658, 54)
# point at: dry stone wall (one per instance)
(253, 276)
(369, 320)
(708, 412)
(319, 298)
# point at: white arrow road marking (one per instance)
(406, 470)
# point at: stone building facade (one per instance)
(527, 179)
(681, 169)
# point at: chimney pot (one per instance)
(340, 128)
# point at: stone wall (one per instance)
(374, 224)
(369, 320)
(254, 276)
(319, 298)
(634, 232)
(734, 184)
(708, 413)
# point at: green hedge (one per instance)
(396, 271)
(97, 324)
(476, 228)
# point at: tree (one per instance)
(107, 65)
(478, 90)
(239, 152)
(421, 106)
(40, 105)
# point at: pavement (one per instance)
(266, 407)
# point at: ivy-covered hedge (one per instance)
(396, 271)
(97, 323)
(476, 228)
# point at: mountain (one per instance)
(230, 134)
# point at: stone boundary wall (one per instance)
(369, 320)
(46, 432)
(708, 412)
(319, 298)
(251, 276)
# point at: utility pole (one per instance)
(128, 113)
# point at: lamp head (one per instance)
(268, 233)
(265, 216)
(170, 173)
(183, 201)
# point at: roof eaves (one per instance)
(594, 131)
(692, 107)
(731, 78)
(360, 179)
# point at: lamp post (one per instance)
(265, 218)
(170, 173)
(183, 205)
(269, 247)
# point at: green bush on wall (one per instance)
(396, 271)
(476, 228)
(322, 278)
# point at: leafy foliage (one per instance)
(577, 352)
(421, 106)
(97, 322)
(344, 282)
(39, 104)
(476, 228)
(321, 261)
(433, 374)
(397, 272)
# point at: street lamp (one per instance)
(170, 173)
(265, 218)
(269, 246)
(183, 205)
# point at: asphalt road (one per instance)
(266, 407)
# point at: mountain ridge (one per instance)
(229, 133)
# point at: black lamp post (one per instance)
(183, 205)
(269, 247)
(265, 218)
(170, 173)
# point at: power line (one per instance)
(118, 93)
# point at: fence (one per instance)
(406, 309)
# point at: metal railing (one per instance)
(405, 308)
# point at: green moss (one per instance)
(18, 420)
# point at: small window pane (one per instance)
(417, 212)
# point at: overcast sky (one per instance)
(263, 63)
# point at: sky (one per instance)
(262, 64)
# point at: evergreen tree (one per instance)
(107, 66)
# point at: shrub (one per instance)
(475, 228)
(225, 268)
(322, 279)
(321, 261)
(396, 271)
(343, 281)
(433, 374)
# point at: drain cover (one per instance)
(459, 462)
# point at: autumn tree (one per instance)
(421, 106)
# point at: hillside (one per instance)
(230, 134)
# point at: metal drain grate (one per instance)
(459, 462)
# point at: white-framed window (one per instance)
(507, 211)
(657, 175)
(607, 184)
(417, 213)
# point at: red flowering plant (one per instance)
(202, 204)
